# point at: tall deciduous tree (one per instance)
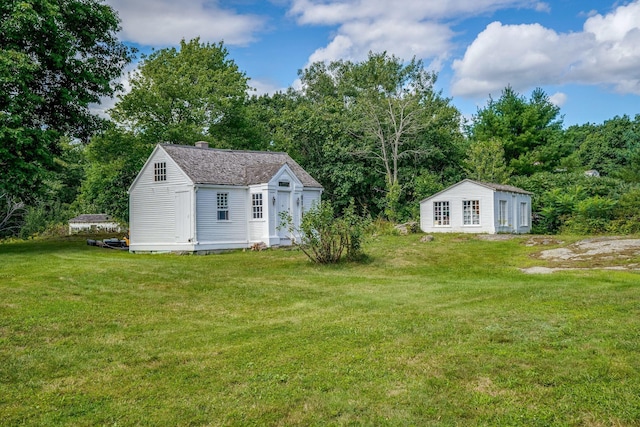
(184, 95)
(56, 58)
(530, 130)
(401, 116)
(194, 93)
(384, 120)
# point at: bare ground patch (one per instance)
(608, 253)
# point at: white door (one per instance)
(284, 198)
(183, 216)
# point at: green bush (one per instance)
(627, 214)
(592, 216)
(325, 238)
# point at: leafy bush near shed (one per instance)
(325, 238)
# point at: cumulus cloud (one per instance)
(166, 22)
(417, 28)
(558, 99)
(606, 52)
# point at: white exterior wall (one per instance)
(489, 210)
(152, 208)
(221, 234)
(311, 197)
(175, 215)
(258, 227)
(513, 218)
(77, 227)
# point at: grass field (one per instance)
(449, 332)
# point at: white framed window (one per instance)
(524, 214)
(502, 213)
(256, 205)
(223, 206)
(160, 171)
(440, 213)
(471, 212)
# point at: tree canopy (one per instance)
(56, 58)
(529, 130)
(180, 96)
(183, 95)
(371, 128)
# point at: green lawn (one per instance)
(449, 332)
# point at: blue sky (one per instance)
(585, 54)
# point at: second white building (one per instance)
(477, 207)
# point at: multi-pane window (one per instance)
(502, 213)
(471, 212)
(440, 213)
(256, 205)
(524, 214)
(223, 206)
(160, 171)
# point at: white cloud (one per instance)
(416, 28)
(558, 99)
(166, 22)
(264, 87)
(606, 52)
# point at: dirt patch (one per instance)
(608, 253)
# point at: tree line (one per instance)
(377, 134)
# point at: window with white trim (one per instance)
(440, 213)
(471, 212)
(524, 214)
(502, 213)
(256, 205)
(223, 206)
(160, 171)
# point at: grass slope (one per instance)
(442, 333)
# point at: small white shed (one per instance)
(93, 222)
(477, 207)
(198, 199)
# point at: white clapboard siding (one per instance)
(152, 204)
(210, 229)
(489, 199)
(181, 213)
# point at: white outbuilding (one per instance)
(93, 223)
(199, 199)
(477, 207)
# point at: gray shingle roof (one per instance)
(495, 187)
(233, 167)
(501, 187)
(90, 218)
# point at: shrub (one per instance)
(592, 216)
(325, 238)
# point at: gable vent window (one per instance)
(223, 206)
(160, 171)
(256, 204)
(284, 183)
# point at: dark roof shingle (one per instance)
(233, 167)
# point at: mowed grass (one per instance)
(448, 332)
